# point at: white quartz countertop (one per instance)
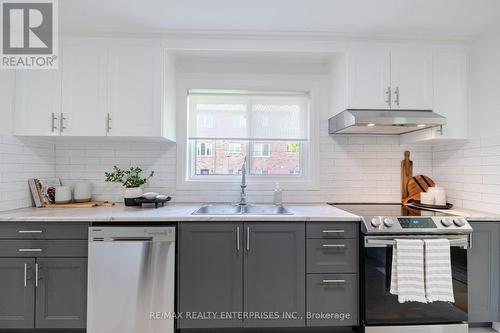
(172, 212)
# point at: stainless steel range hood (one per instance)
(388, 122)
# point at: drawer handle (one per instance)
(334, 245)
(30, 231)
(333, 231)
(30, 250)
(333, 281)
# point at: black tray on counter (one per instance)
(156, 202)
(418, 204)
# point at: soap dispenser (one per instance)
(278, 195)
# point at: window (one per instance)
(204, 149)
(234, 148)
(270, 129)
(261, 150)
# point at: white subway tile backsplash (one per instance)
(352, 169)
(21, 159)
(473, 169)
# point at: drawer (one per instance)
(43, 248)
(35, 230)
(332, 255)
(332, 300)
(332, 230)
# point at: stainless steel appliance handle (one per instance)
(131, 239)
(25, 275)
(462, 242)
(30, 231)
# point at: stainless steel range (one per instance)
(380, 310)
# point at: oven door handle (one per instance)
(462, 242)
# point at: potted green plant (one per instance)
(131, 179)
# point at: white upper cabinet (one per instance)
(102, 89)
(450, 98)
(369, 78)
(84, 91)
(389, 77)
(38, 102)
(135, 91)
(411, 79)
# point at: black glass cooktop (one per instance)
(375, 209)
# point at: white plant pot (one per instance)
(131, 194)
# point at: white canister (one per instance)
(439, 195)
(427, 198)
(63, 194)
(83, 192)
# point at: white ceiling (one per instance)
(418, 18)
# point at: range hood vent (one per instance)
(383, 122)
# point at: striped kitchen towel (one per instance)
(438, 281)
(407, 278)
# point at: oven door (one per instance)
(380, 307)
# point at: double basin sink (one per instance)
(228, 209)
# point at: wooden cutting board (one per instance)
(406, 175)
(89, 204)
(417, 185)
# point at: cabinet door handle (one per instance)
(248, 239)
(54, 118)
(25, 275)
(36, 274)
(396, 93)
(30, 231)
(238, 239)
(30, 250)
(62, 122)
(333, 231)
(108, 123)
(333, 245)
(388, 94)
(333, 281)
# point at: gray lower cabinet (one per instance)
(212, 259)
(332, 300)
(61, 294)
(17, 296)
(210, 273)
(483, 271)
(275, 274)
(43, 275)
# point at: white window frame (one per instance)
(232, 145)
(315, 85)
(261, 151)
(208, 149)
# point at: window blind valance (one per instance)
(245, 115)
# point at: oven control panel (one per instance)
(416, 224)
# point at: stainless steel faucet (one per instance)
(243, 195)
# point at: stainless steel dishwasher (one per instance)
(131, 280)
